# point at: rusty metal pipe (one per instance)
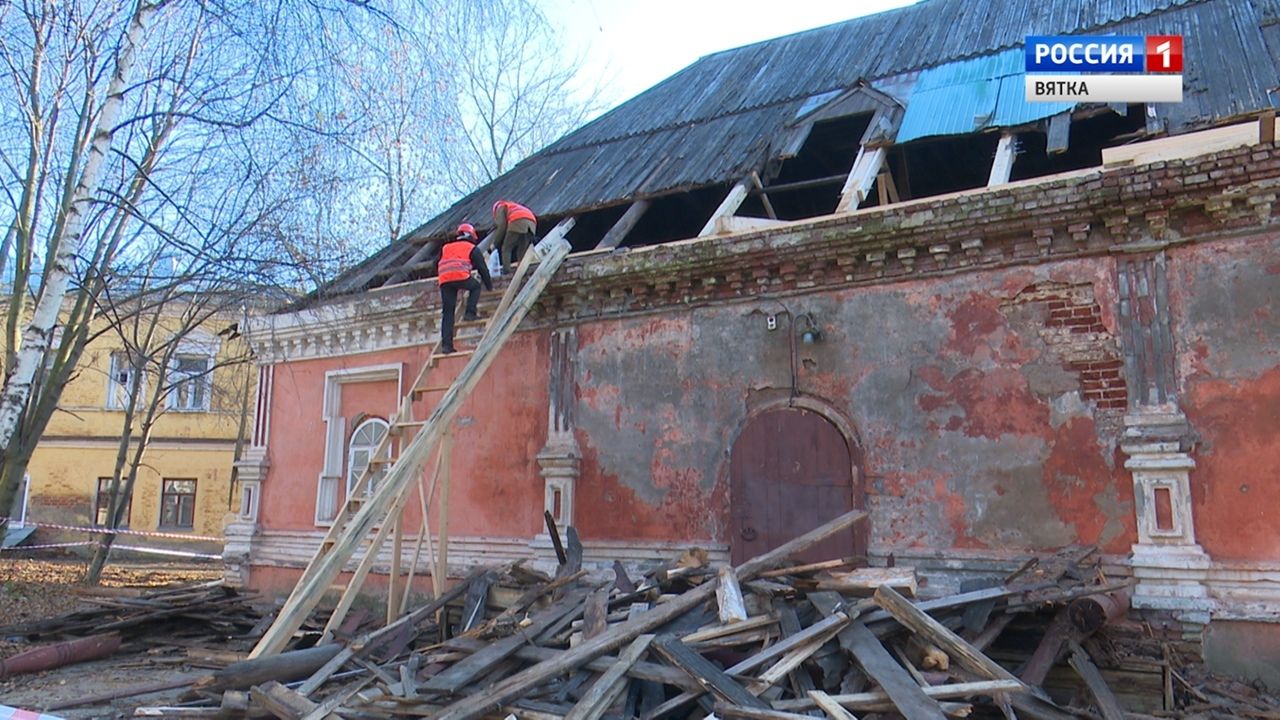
(64, 653)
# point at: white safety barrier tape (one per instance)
(47, 546)
(129, 548)
(168, 553)
(98, 530)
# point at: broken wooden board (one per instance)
(710, 677)
(611, 684)
(463, 673)
(906, 695)
(864, 581)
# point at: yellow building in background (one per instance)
(184, 483)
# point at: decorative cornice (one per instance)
(253, 465)
(376, 320)
(1083, 213)
(1091, 212)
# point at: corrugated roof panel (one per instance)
(711, 122)
(970, 95)
(923, 35)
(1012, 109)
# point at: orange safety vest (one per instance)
(455, 262)
(515, 211)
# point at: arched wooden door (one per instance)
(791, 470)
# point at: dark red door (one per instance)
(791, 470)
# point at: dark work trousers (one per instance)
(449, 301)
(514, 247)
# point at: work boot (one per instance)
(470, 317)
(447, 350)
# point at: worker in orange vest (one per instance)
(514, 231)
(458, 259)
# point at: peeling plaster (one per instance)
(974, 433)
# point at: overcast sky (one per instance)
(636, 43)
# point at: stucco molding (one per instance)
(782, 398)
(1170, 567)
(334, 469)
(399, 316)
(1087, 213)
(1098, 211)
(239, 538)
(253, 465)
(187, 444)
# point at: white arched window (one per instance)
(364, 443)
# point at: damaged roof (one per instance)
(717, 120)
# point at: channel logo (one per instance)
(1104, 69)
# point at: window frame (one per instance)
(118, 392)
(100, 497)
(165, 494)
(203, 379)
(368, 449)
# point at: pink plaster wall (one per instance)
(495, 486)
(1225, 298)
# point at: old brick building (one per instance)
(840, 269)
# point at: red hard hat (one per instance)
(466, 230)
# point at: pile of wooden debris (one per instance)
(770, 639)
(205, 616)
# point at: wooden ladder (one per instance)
(380, 509)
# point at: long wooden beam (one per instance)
(876, 698)
(749, 569)
(880, 666)
(964, 654)
(625, 224)
(330, 560)
(866, 166)
(1002, 166)
(531, 255)
(729, 206)
(764, 195)
(440, 574)
(611, 684)
(362, 570)
(417, 259)
(803, 184)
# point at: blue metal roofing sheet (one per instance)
(969, 95)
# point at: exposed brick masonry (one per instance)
(1071, 216)
(1074, 331)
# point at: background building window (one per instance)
(364, 442)
(178, 504)
(192, 383)
(103, 498)
(120, 381)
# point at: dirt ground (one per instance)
(32, 589)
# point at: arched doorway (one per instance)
(790, 470)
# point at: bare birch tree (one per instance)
(272, 139)
(121, 106)
(65, 240)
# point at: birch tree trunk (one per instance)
(57, 277)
